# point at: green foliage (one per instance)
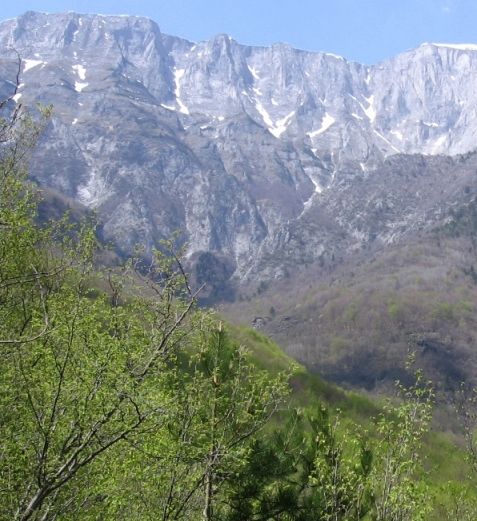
(400, 494)
(341, 472)
(221, 403)
(80, 375)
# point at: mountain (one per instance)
(252, 152)
(333, 203)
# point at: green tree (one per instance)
(341, 472)
(222, 401)
(81, 372)
(400, 492)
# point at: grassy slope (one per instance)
(443, 453)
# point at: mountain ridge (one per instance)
(237, 146)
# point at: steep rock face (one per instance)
(425, 99)
(250, 151)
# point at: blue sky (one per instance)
(362, 30)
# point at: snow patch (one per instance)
(265, 115)
(74, 121)
(337, 56)
(274, 102)
(318, 187)
(220, 118)
(80, 71)
(168, 107)
(326, 123)
(178, 74)
(17, 97)
(254, 72)
(276, 129)
(318, 190)
(29, 64)
(356, 116)
(282, 124)
(80, 86)
(458, 46)
(370, 111)
(433, 125)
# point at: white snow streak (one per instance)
(168, 107)
(282, 124)
(370, 111)
(276, 129)
(74, 121)
(29, 64)
(80, 86)
(178, 74)
(265, 115)
(318, 190)
(326, 123)
(80, 71)
(387, 141)
(458, 46)
(337, 56)
(17, 97)
(254, 72)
